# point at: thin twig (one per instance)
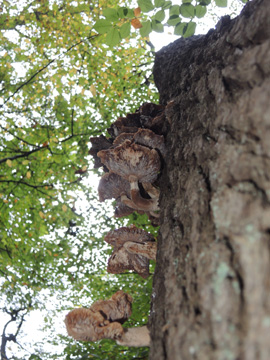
(27, 153)
(45, 67)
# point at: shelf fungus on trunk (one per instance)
(133, 247)
(104, 319)
(137, 164)
(148, 138)
(135, 152)
(113, 186)
(99, 143)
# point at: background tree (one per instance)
(68, 69)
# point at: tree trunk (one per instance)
(211, 293)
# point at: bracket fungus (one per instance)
(98, 143)
(148, 138)
(104, 319)
(112, 186)
(135, 163)
(133, 248)
(134, 152)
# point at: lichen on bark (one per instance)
(211, 292)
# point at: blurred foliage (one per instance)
(68, 69)
(60, 85)
(118, 21)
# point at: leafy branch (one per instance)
(24, 154)
(45, 67)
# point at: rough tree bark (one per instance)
(211, 294)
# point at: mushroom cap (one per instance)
(151, 109)
(112, 186)
(160, 124)
(118, 128)
(122, 260)
(119, 236)
(87, 325)
(98, 143)
(148, 249)
(131, 123)
(122, 137)
(148, 138)
(117, 308)
(131, 119)
(131, 159)
(122, 209)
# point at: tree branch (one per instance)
(14, 314)
(25, 154)
(45, 67)
(17, 137)
(24, 183)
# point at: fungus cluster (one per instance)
(133, 248)
(104, 319)
(132, 159)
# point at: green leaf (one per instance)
(146, 28)
(179, 29)
(187, 10)
(146, 5)
(113, 37)
(190, 29)
(111, 14)
(159, 16)
(186, 1)
(125, 30)
(166, 5)
(174, 10)
(221, 3)
(205, 2)
(157, 26)
(159, 3)
(174, 20)
(124, 12)
(102, 26)
(200, 11)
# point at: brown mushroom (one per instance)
(132, 119)
(103, 321)
(150, 109)
(118, 237)
(160, 124)
(118, 128)
(127, 254)
(112, 186)
(122, 260)
(121, 209)
(128, 124)
(134, 163)
(151, 190)
(85, 325)
(148, 249)
(98, 143)
(117, 308)
(122, 137)
(148, 138)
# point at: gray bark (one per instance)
(211, 292)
